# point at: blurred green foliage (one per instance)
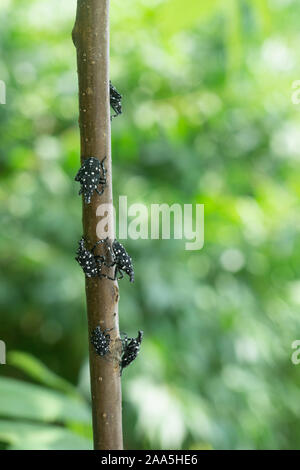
(208, 118)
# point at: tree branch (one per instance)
(91, 39)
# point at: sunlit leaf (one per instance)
(29, 436)
(175, 15)
(38, 371)
(23, 400)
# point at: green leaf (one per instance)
(234, 36)
(263, 14)
(23, 400)
(29, 436)
(175, 15)
(39, 372)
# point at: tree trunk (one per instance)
(91, 39)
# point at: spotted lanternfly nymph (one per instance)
(91, 176)
(101, 340)
(91, 264)
(119, 258)
(130, 349)
(115, 100)
(123, 261)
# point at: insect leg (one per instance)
(121, 274)
(100, 192)
(107, 277)
(98, 243)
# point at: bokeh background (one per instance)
(209, 119)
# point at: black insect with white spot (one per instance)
(91, 264)
(101, 340)
(115, 100)
(123, 261)
(130, 349)
(91, 176)
(119, 258)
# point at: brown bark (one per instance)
(91, 39)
